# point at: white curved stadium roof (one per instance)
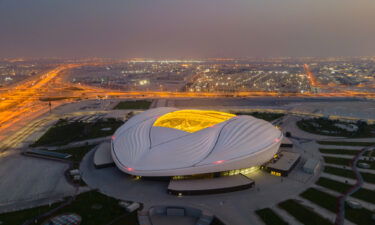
(171, 142)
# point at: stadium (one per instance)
(169, 142)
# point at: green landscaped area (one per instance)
(329, 202)
(367, 177)
(137, 104)
(323, 126)
(320, 198)
(268, 116)
(19, 217)
(269, 217)
(77, 154)
(93, 207)
(64, 131)
(338, 151)
(346, 143)
(303, 214)
(371, 163)
(369, 153)
(363, 193)
(333, 185)
(337, 161)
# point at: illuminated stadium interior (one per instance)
(192, 120)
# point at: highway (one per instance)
(20, 104)
(21, 134)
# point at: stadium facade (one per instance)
(165, 142)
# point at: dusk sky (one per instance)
(186, 28)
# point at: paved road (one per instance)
(258, 101)
(25, 179)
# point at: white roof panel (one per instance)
(140, 146)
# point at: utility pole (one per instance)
(50, 107)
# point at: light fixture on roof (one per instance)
(219, 162)
(129, 169)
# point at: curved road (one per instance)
(340, 217)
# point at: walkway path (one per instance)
(342, 199)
